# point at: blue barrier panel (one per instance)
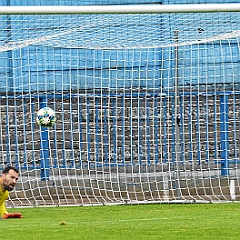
(156, 129)
(80, 127)
(119, 130)
(44, 147)
(215, 130)
(123, 132)
(190, 128)
(165, 140)
(224, 131)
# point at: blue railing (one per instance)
(122, 129)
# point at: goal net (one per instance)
(147, 105)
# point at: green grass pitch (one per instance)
(156, 221)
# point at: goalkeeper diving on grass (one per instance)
(7, 182)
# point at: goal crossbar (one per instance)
(120, 9)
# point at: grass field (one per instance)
(175, 221)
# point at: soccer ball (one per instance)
(46, 117)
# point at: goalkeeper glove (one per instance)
(12, 215)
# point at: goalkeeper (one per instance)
(7, 182)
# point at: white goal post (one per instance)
(121, 9)
(147, 99)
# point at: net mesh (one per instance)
(147, 107)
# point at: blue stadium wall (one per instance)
(16, 72)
